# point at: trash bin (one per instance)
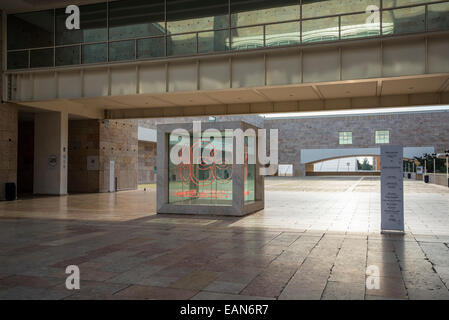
(409, 175)
(10, 191)
(426, 179)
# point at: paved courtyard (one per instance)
(314, 240)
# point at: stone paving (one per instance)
(315, 240)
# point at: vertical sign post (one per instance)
(392, 188)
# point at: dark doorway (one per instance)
(25, 154)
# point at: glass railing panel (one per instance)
(41, 58)
(405, 20)
(282, 34)
(95, 53)
(247, 38)
(68, 55)
(182, 44)
(359, 26)
(213, 41)
(122, 50)
(18, 60)
(438, 16)
(319, 30)
(151, 48)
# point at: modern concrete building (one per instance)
(135, 59)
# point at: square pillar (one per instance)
(50, 153)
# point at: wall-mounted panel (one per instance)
(248, 72)
(96, 83)
(182, 76)
(320, 66)
(361, 62)
(44, 86)
(25, 83)
(438, 55)
(214, 74)
(123, 81)
(283, 69)
(69, 85)
(404, 58)
(152, 79)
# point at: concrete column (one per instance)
(8, 146)
(50, 153)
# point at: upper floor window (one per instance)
(383, 136)
(345, 137)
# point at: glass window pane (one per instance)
(319, 8)
(318, 30)
(18, 60)
(67, 55)
(136, 18)
(30, 30)
(207, 183)
(41, 58)
(407, 20)
(250, 12)
(400, 3)
(357, 26)
(249, 174)
(183, 44)
(151, 48)
(213, 41)
(247, 38)
(92, 25)
(95, 53)
(438, 16)
(122, 50)
(196, 15)
(282, 34)
(345, 137)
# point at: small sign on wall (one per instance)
(392, 188)
(52, 161)
(93, 163)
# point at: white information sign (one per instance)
(392, 188)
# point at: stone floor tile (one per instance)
(389, 288)
(225, 287)
(196, 280)
(159, 293)
(205, 295)
(336, 290)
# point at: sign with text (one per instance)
(392, 188)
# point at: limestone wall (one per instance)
(147, 162)
(118, 142)
(409, 130)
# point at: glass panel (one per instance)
(206, 183)
(122, 50)
(247, 38)
(282, 34)
(67, 55)
(400, 3)
(213, 41)
(317, 30)
(345, 137)
(95, 53)
(41, 58)
(196, 15)
(319, 8)
(438, 16)
(250, 12)
(136, 18)
(407, 20)
(30, 30)
(183, 44)
(150, 48)
(357, 26)
(18, 60)
(383, 136)
(92, 25)
(249, 174)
